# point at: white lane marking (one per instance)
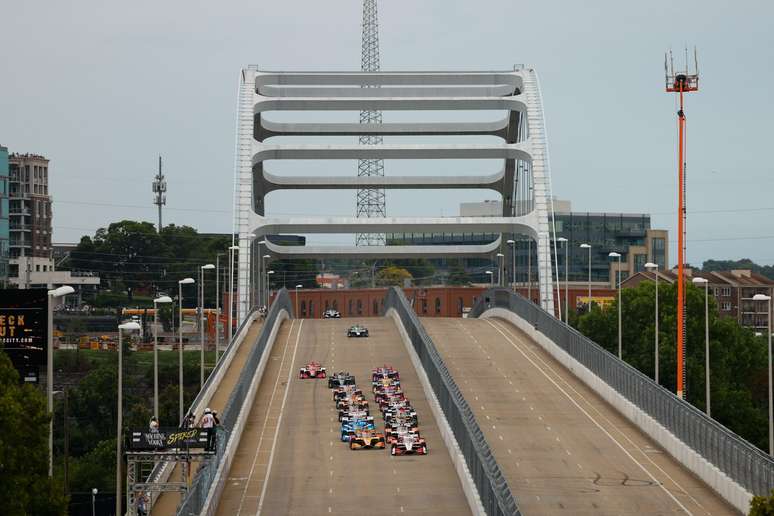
(591, 418)
(265, 421)
(612, 425)
(279, 420)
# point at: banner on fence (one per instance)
(169, 439)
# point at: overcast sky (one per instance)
(101, 88)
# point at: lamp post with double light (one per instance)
(52, 294)
(764, 297)
(512, 243)
(184, 281)
(705, 283)
(564, 241)
(613, 254)
(156, 303)
(130, 326)
(587, 246)
(207, 267)
(654, 269)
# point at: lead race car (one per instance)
(357, 331)
(312, 370)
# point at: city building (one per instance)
(4, 222)
(628, 234)
(31, 262)
(733, 292)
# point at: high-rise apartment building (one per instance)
(30, 216)
(4, 222)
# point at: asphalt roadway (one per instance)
(167, 503)
(562, 448)
(290, 459)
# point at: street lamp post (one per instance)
(512, 243)
(613, 254)
(52, 294)
(261, 274)
(566, 279)
(130, 326)
(94, 492)
(654, 268)
(203, 268)
(217, 304)
(263, 264)
(231, 251)
(500, 257)
(703, 281)
(297, 287)
(156, 302)
(529, 269)
(185, 281)
(491, 278)
(268, 290)
(764, 297)
(587, 246)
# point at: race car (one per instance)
(385, 396)
(340, 379)
(354, 410)
(393, 433)
(393, 414)
(354, 414)
(384, 372)
(409, 444)
(364, 439)
(384, 383)
(357, 331)
(340, 393)
(312, 370)
(357, 402)
(331, 314)
(348, 428)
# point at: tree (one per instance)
(762, 505)
(737, 358)
(392, 276)
(458, 276)
(25, 487)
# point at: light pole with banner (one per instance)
(156, 303)
(184, 281)
(203, 268)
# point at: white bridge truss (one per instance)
(523, 152)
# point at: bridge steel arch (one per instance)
(523, 152)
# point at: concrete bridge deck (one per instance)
(562, 449)
(290, 459)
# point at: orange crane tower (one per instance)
(681, 83)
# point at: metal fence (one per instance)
(739, 460)
(194, 500)
(492, 487)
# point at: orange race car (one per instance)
(364, 439)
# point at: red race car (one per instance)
(311, 370)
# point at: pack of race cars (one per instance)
(401, 424)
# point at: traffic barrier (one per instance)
(493, 490)
(207, 485)
(733, 467)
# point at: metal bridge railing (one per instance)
(492, 487)
(744, 463)
(197, 494)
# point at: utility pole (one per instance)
(681, 83)
(370, 201)
(160, 189)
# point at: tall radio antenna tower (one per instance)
(681, 82)
(370, 201)
(160, 189)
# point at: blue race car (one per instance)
(348, 428)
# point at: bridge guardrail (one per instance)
(744, 463)
(492, 487)
(194, 500)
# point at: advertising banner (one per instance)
(167, 439)
(24, 326)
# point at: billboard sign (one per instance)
(24, 326)
(167, 439)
